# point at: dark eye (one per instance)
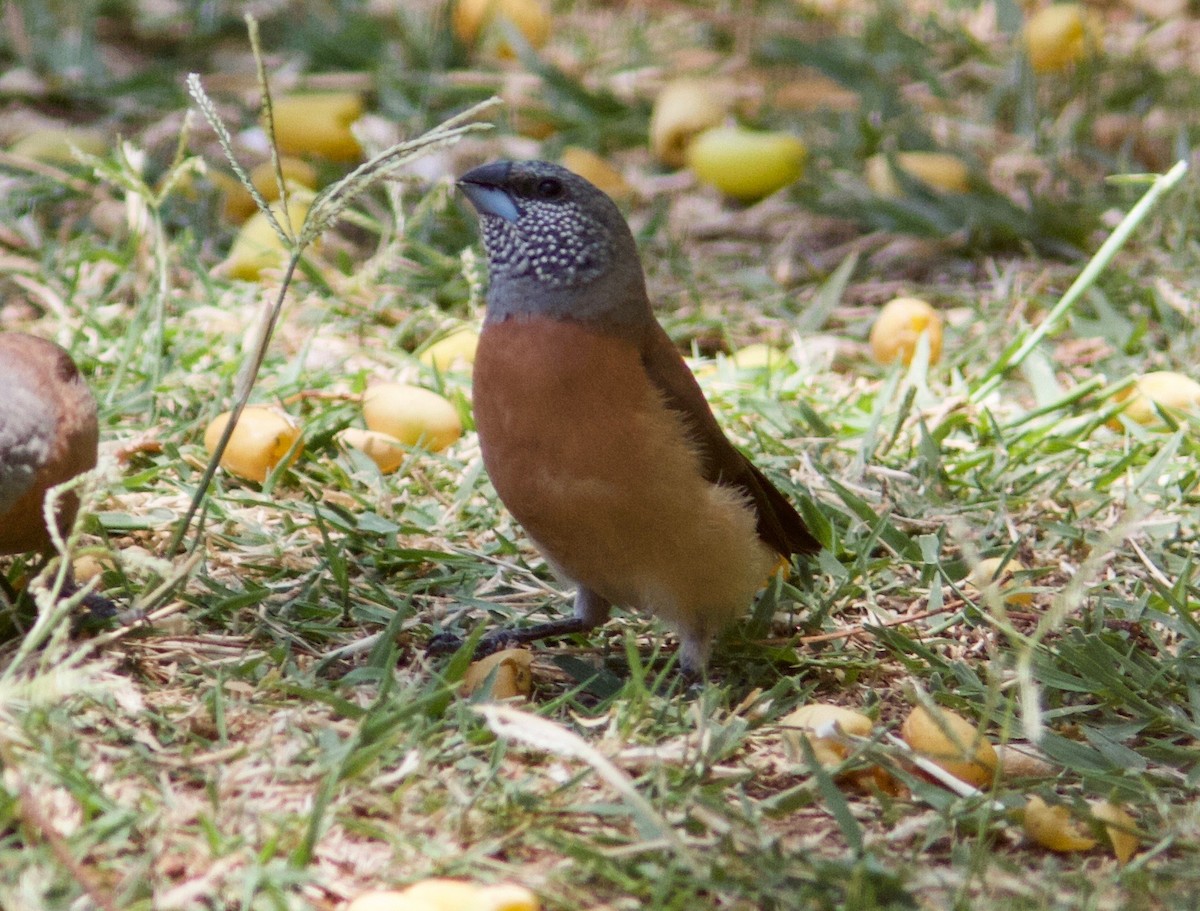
(549, 188)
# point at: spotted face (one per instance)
(541, 223)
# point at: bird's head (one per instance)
(556, 245)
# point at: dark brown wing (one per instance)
(779, 525)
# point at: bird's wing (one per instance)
(26, 437)
(779, 525)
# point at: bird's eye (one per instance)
(549, 188)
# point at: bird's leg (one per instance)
(590, 608)
(590, 611)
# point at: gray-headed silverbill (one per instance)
(594, 431)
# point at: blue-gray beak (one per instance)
(486, 186)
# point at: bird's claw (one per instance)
(443, 644)
(448, 643)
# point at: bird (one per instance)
(49, 433)
(593, 430)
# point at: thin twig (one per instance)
(1096, 265)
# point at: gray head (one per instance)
(556, 245)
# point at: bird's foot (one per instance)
(497, 641)
(443, 644)
(500, 639)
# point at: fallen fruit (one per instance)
(984, 576)
(257, 248)
(1120, 828)
(318, 123)
(746, 164)
(412, 415)
(262, 438)
(514, 674)
(939, 170)
(1058, 35)
(594, 169)
(683, 109)
(238, 204)
(88, 566)
(473, 20)
(809, 722)
(899, 326)
(1163, 388)
(1052, 827)
(384, 450)
(759, 356)
(54, 145)
(452, 351)
(952, 743)
(448, 895)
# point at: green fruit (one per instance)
(746, 164)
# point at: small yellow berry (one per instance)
(262, 438)
(318, 123)
(951, 742)
(683, 109)
(1163, 389)
(1058, 35)
(412, 415)
(939, 170)
(384, 450)
(899, 326)
(473, 20)
(746, 164)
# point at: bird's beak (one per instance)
(485, 187)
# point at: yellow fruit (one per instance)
(53, 144)
(385, 451)
(257, 248)
(898, 327)
(476, 19)
(746, 164)
(514, 674)
(318, 123)
(386, 900)
(1120, 828)
(238, 204)
(939, 170)
(984, 576)
(1164, 388)
(453, 351)
(951, 742)
(1058, 35)
(88, 566)
(592, 167)
(412, 415)
(506, 897)
(261, 439)
(684, 108)
(806, 724)
(1052, 827)
(457, 895)
(759, 356)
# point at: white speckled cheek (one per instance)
(563, 245)
(505, 250)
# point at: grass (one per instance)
(275, 737)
